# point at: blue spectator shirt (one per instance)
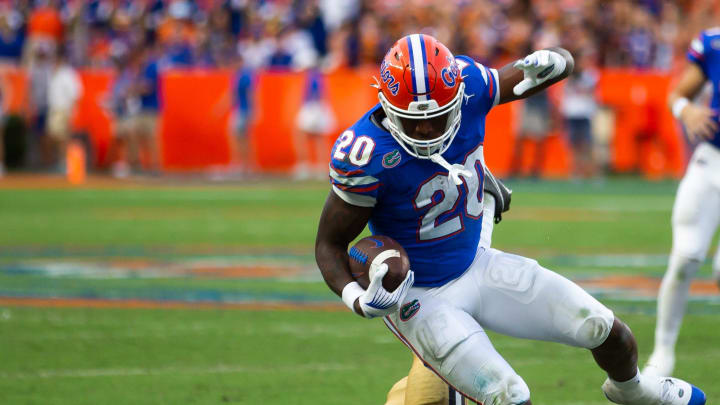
(243, 89)
(11, 45)
(151, 76)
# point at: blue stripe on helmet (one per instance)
(425, 63)
(412, 70)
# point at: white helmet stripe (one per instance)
(419, 66)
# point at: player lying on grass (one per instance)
(412, 169)
(696, 213)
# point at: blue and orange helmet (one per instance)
(420, 80)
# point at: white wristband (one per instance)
(350, 293)
(678, 106)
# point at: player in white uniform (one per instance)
(696, 213)
(412, 169)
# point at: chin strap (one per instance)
(454, 171)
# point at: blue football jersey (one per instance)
(705, 52)
(414, 202)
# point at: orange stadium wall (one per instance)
(92, 115)
(646, 140)
(194, 121)
(195, 131)
(277, 98)
(646, 137)
(14, 86)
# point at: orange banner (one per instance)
(350, 95)
(646, 137)
(14, 88)
(195, 114)
(91, 113)
(197, 104)
(277, 100)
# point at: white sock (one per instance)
(631, 383)
(672, 301)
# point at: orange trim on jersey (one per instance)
(348, 172)
(355, 189)
(696, 54)
(491, 79)
(402, 338)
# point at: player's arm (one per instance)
(534, 73)
(697, 119)
(340, 224)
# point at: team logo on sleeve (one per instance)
(409, 310)
(391, 159)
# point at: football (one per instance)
(367, 249)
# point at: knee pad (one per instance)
(510, 390)
(489, 382)
(716, 268)
(515, 392)
(686, 267)
(689, 248)
(595, 327)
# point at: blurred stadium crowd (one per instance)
(302, 33)
(140, 38)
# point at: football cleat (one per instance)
(655, 391)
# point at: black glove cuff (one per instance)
(499, 191)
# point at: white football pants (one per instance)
(696, 212)
(695, 218)
(506, 293)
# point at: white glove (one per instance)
(539, 67)
(377, 301)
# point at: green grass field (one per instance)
(192, 244)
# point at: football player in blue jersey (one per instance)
(422, 386)
(412, 168)
(696, 213)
